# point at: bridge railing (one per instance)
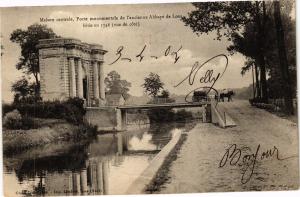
(218, 116)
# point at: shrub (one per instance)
(7, 108)
(78, 102)
(71, 110)
(12, 120)
(85, 130)
(28, 123)
(72, 114)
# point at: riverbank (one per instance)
(49, 131)
(197, 167)
(114, 159)
(154, 175)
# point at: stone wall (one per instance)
(104, 118)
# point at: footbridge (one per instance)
(210, 113)
(122, 110)
(164, 105)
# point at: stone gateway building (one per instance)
(71, 68)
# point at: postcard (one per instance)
(164, 98)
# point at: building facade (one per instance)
(71, 68)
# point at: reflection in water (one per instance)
(143, 143)
(107, 165)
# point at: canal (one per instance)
(107, 165)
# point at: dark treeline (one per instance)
(265, 33)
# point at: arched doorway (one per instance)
(85, 83)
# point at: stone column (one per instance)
(96, 80)
(76, 183)
(105, 177)
(99, 178)
(79, 79)
(72, 77)
(83, 182)
(101, 81)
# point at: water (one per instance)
(107, 165)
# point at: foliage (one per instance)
(7, 108)
(164, 94)
(78, 103)
(152, 84)
(116, 85)
(229, 19)
(225, 18)
(283, 59)
(14, 120)
(85, 130)
(28, 123)
(24, 92)
(164, 97)
(256, 31)
(246, 44)
(71, 110)
(28, 40)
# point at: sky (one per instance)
(156, 34)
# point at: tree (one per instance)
(116, 85)
(228, 19)
(250, 64)
(283, 61)
(152, 84)
(165, 97)
(23, 90)
(28, 41)
(165, 94)
(280, 65)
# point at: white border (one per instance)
(13, 3)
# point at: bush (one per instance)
(78, 102)
(71, 110)
(7, 108)
(85, 130)
(12, 120)
(28, 123)
(72, 114)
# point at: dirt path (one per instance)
(197, 167)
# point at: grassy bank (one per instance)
(50, 130)
(27, 124)
(161, 176)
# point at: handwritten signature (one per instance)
(209, 77)
(140, 56)
(240, 157)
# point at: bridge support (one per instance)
(206, 114)
(121, 119)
